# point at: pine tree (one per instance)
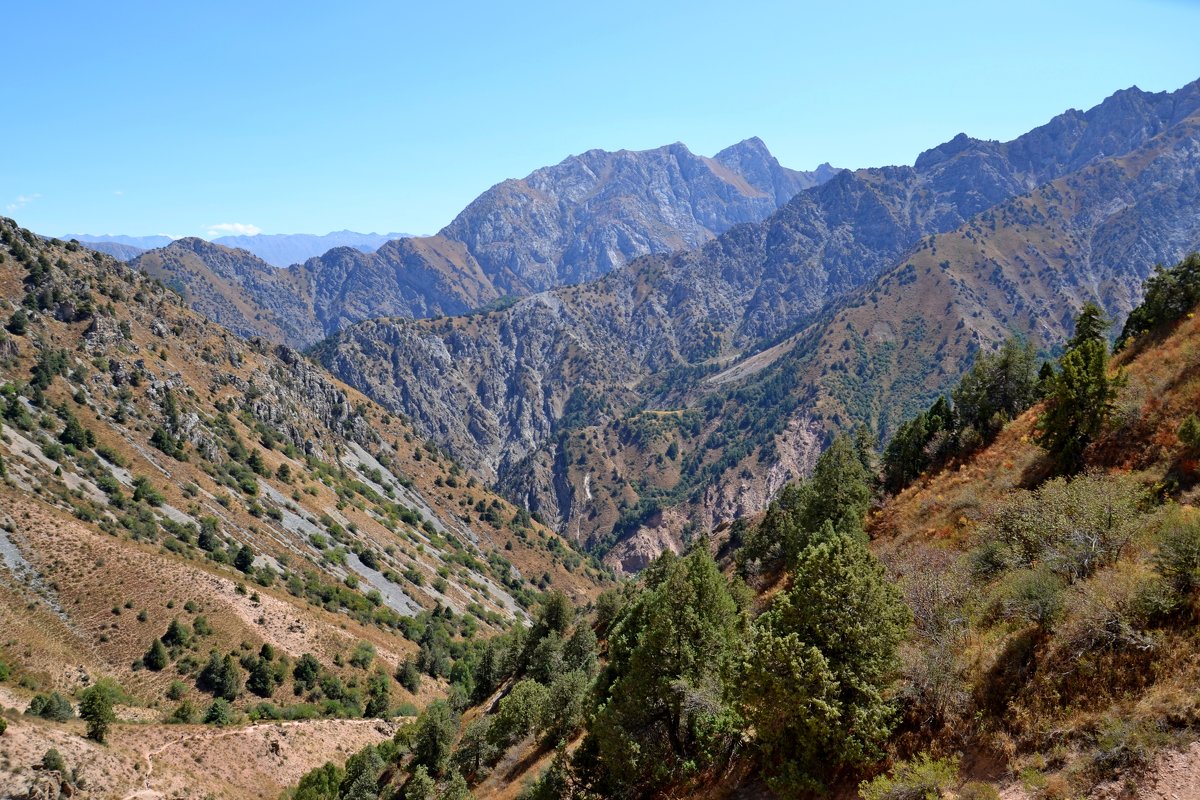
(841, 489)
(76, 435)
(420, 786)
(457, 789)
(222, 677)
(409, 675)
(219, 713)
(434, 737)
(378, 696)
(244, 560)
(177, 635)
(1091, 325)
(996, 388)
(320, 783)
(18, 323)
(362, 775)
(306, 672)
(262, 681)
(475, 749)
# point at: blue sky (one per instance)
(176, 118)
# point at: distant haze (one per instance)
(278, 249)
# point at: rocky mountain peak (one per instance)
(943, 152)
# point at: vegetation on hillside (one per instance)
(216, 531)
(1050, 630)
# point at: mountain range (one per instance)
(683, 390)
(560, 225)
(277, 249)
(158, 473)
(303, 502)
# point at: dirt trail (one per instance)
(1173, 775)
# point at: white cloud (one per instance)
(233, 229)
(22, 201)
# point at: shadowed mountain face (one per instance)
(735, 356)
(121, 252)
(563, 224)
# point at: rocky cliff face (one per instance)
(426, 277)
(692, 330)
(592, 213)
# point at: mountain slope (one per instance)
(1023, 637)
(121, 252)
(236, 289)
(154, 465)
(1023, 267)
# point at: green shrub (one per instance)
(978, 791)
(1178, 556)
(53, 761)
(1073, 526)
(219, 713)
(923, 778)
(52, 706)
(1189, 431)
(185, 714)
(363, 655)
(1031, 595)
(1115, 610)
(1122, 746)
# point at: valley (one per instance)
(650, 474)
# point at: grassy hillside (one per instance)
(166, 481)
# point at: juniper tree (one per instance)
(1080, 395)
(819, 662)
(673, 654)
(96, 709)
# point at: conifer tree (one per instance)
(1080, 395)
(674, 651)
(819, 661)
(96, 709)
(156, 657)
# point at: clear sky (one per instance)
(178, 117)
